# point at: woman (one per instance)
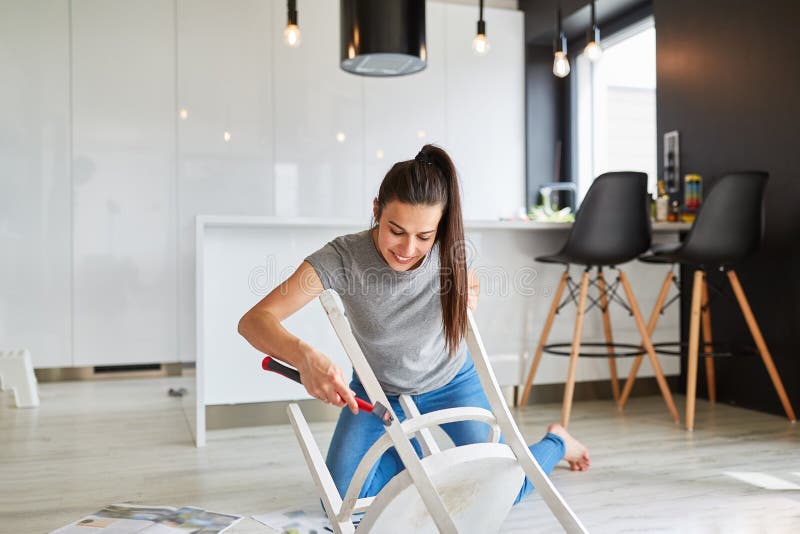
(405, 287)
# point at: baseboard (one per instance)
(597, 390)
(274, 413)
(106, 372)
(266, 413)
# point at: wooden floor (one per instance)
(97, 443)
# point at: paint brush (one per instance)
(378, 410)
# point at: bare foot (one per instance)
(576, 452)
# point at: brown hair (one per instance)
(431, 179)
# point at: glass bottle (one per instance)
(674, 212)
(662, 202)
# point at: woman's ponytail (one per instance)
(429, 179)
(452, 251)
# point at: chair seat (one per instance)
(553, 258)
(727, 229)
(476, 503)
(565, 258)
(669, 253)
(663, 253)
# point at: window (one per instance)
(614, 107)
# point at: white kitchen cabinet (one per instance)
(224, 84)
(318, 122)
(35, 208)
(122, 121)
(123, 187)
(485, 110)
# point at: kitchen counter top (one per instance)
(261, 221)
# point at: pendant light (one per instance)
(560, 60)
(383, 38)
(593, 50)
(291, 35)
(480, 45)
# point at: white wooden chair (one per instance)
(470, 488)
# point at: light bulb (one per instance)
(291, 35)
(379, 154)
(340, 137)
(593, 51)
(226, 136)
(560, 64)
(480, 45)
(183, 114)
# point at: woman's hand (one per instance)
(261, 327)
(324, 380)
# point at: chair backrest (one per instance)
(613, 223)
(730, 223)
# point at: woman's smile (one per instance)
(401, 259)
(406, 233)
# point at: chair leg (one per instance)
(762, 346)
(519, 447)
(331, 500)
(612, 362)
(543, 339)
(694, 341)
(648, 345)
(709, 345)
(569, 390)
(651, 327)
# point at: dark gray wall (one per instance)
(728, 81)
(576, 16)
(543, 123)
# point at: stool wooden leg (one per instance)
(612, 362)
(651, 327)
(694, 341)
(648, 345)
(709, 345)
(569, 390)
(762, 346)
(543, 339)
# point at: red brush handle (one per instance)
(271, 364)
(364, 405)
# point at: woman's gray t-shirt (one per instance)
(396, 317)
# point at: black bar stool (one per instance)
(728, 228)
(611, 228)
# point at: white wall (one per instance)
(101, 175)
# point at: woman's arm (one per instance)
(474, 290)
(262, 328)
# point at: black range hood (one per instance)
(383, 37)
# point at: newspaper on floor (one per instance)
(128, 518)
(306, 521)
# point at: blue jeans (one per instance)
(355, 434)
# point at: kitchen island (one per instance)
(241, 259)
